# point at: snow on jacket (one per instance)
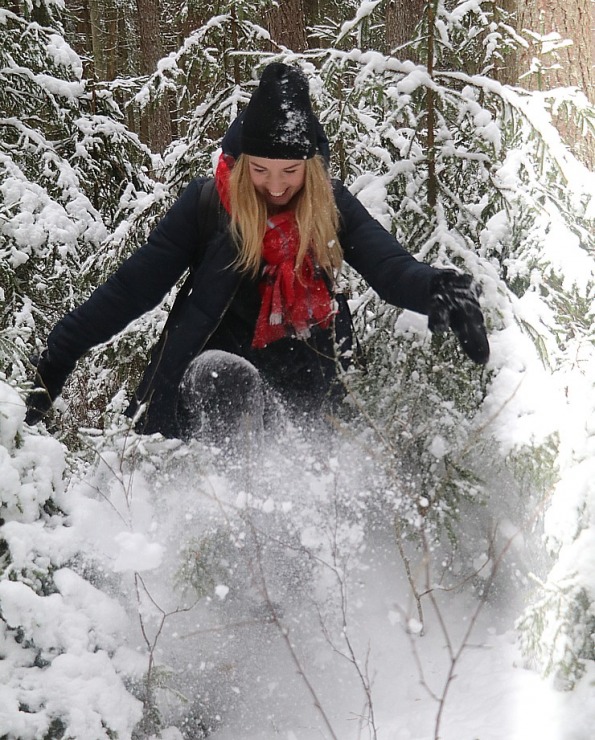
(144, 279)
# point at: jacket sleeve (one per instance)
(137, 286)
(389, 268)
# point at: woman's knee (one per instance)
(219, 392)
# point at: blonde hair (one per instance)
(315, 211)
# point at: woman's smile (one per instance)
(277, 180)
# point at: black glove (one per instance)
(454, 305)
(49, 381)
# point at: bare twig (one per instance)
(151, 643)
(284, 632)
(407, 564)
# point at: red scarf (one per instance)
(291, 304)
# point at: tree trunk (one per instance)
(572, 64)
(568, 65)
(401, 19)
(97, 46)
(196, 15)
(111, 20)
(96, 31)
(156, 120)
(508, 70)
(287, 24)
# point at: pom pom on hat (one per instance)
(278, 122)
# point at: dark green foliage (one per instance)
(68, 168)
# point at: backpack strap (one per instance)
(209, 213)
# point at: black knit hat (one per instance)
(278, 122)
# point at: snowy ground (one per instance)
(304, 625)
(264, 600)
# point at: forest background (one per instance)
(467, 129)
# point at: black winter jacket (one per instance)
(143, 280)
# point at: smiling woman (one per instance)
(260, 321)
(256, 192)
(277, 180)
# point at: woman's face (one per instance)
(277, 180)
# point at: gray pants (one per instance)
(222, 399)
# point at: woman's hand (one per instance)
(49, 381)
(454, 305)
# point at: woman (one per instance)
(257, 313)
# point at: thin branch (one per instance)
(284, 632)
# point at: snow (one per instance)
(411, 82)
(36, 221)
(63, 54)
(567, 258)
(347, 628)
(365, 9)
(135, 553)
(275, 597)
(63, 88)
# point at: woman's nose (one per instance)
(275, 183)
